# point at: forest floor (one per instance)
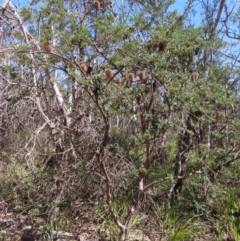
(13, 226)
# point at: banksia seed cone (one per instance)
(97, 5)
(142, 76)
(233, 144)
(194, 76)
(161, 46)
(47, 46)
(83, 67)
(118, 81)
(149, 41)
(89, 69)
(109, 73)
(131, 77)
(149, 44)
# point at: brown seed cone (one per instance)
(142, 76)
(149, 44)
(131, 77)
(195, 76)
(233, 144)
(97, 5)
(161, 46)
(109, 73)
(83, 67)
(118, 81)
(47, 46)
(89, 70)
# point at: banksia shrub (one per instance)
(142, 76)
(109, 73)
(195, 76)
(83, 67)
(47, 46)
(131, 77)
(97, 5)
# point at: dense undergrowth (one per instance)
(203, 210)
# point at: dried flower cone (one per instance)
(97, 5)
(233, 144)
(131, 77)
(161, 46)
(149, 44)
(149, 41)
(118, 81)
(47, 46)
(109, 73)
(83, 67)
(142, 76)
(195, 76)
(89, 69)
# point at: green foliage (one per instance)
(174, 225)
